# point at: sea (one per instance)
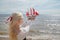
(44, 27)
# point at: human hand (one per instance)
(32, 18)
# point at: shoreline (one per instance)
(36, 37)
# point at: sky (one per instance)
(42, 6)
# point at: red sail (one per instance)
(35, 12)
(27, 13)
(32, 12)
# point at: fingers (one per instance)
(31, 17)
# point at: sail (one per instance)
(32, 12)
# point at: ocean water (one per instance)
(45, 27)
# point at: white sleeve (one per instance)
(25, 29)
(25, 26)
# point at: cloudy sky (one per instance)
(43, 6)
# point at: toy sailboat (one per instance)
(32, 13)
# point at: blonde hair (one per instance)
(13, 27)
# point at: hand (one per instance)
(32, 18)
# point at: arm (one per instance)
(25, 26)
(25, 29)
(29, 20)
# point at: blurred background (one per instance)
(46, 25)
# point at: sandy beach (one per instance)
(35, 36)
(42, 37)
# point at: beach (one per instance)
(35, 37)
(45, 27)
